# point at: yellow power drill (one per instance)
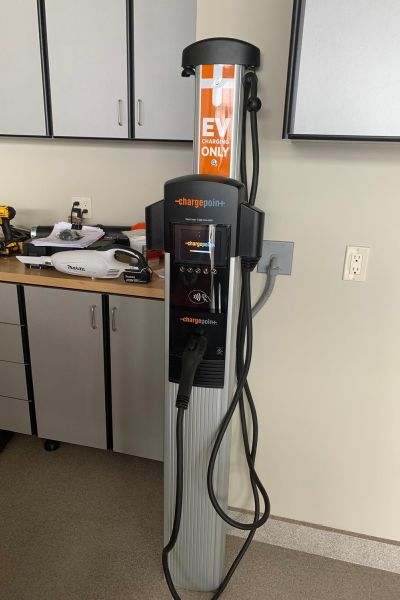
(7, 245)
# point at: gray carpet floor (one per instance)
(85, 524)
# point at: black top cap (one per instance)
(221, 51)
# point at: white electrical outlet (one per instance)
(355, 263)
(84, 204)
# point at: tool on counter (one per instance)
(12, 236)
(77, 215)
(112, 233)
(137, 237)
(69, 235)
(112, 236)
(97, 264)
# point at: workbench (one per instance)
(82, 360)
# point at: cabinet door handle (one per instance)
(113, 319)
(139, 113)
(93, 316)
(120, 123)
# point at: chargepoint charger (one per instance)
(212, 234)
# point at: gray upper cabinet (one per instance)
(88, 58)
(21, 84)
(164, 101)
(96, 68)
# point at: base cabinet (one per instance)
(137, 375)
(66, 344)
(98, 379)
(14, 397)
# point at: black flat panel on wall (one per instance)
(343, 74)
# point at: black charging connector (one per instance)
(192, 357)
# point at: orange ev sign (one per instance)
(216, 113)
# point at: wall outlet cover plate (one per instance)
(356, 263)
(283, 253)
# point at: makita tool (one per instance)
(97, 264)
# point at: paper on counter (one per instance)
(88, 234)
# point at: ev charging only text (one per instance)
(213, 133)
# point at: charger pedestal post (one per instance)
(199, 224)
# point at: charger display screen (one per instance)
(201, 244)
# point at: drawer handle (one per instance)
(113, 319)
(139, 113)
(120, 122)
(93, 316)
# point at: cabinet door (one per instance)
(9, 310)
(66, 346)
(87, 48)
(21, 87)
(137, 375)
(164, 101)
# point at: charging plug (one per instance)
(191, 358)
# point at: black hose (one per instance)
(253, 106)
(247, 333)
(243, 149)
(244, 338)
(178, 503)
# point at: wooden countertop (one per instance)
(12, 271)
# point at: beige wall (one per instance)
(326, 371)
(39, 177)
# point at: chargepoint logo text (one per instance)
(197, 321)
(198, 203)
(198, 244)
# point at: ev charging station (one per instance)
(212, 235)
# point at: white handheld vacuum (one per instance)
(102, 264)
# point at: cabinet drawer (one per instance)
(13, 380)
(9, 311)
(14, 415)
(11, 343)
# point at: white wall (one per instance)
(326, 373)
(39, 177)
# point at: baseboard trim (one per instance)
(338, 545)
